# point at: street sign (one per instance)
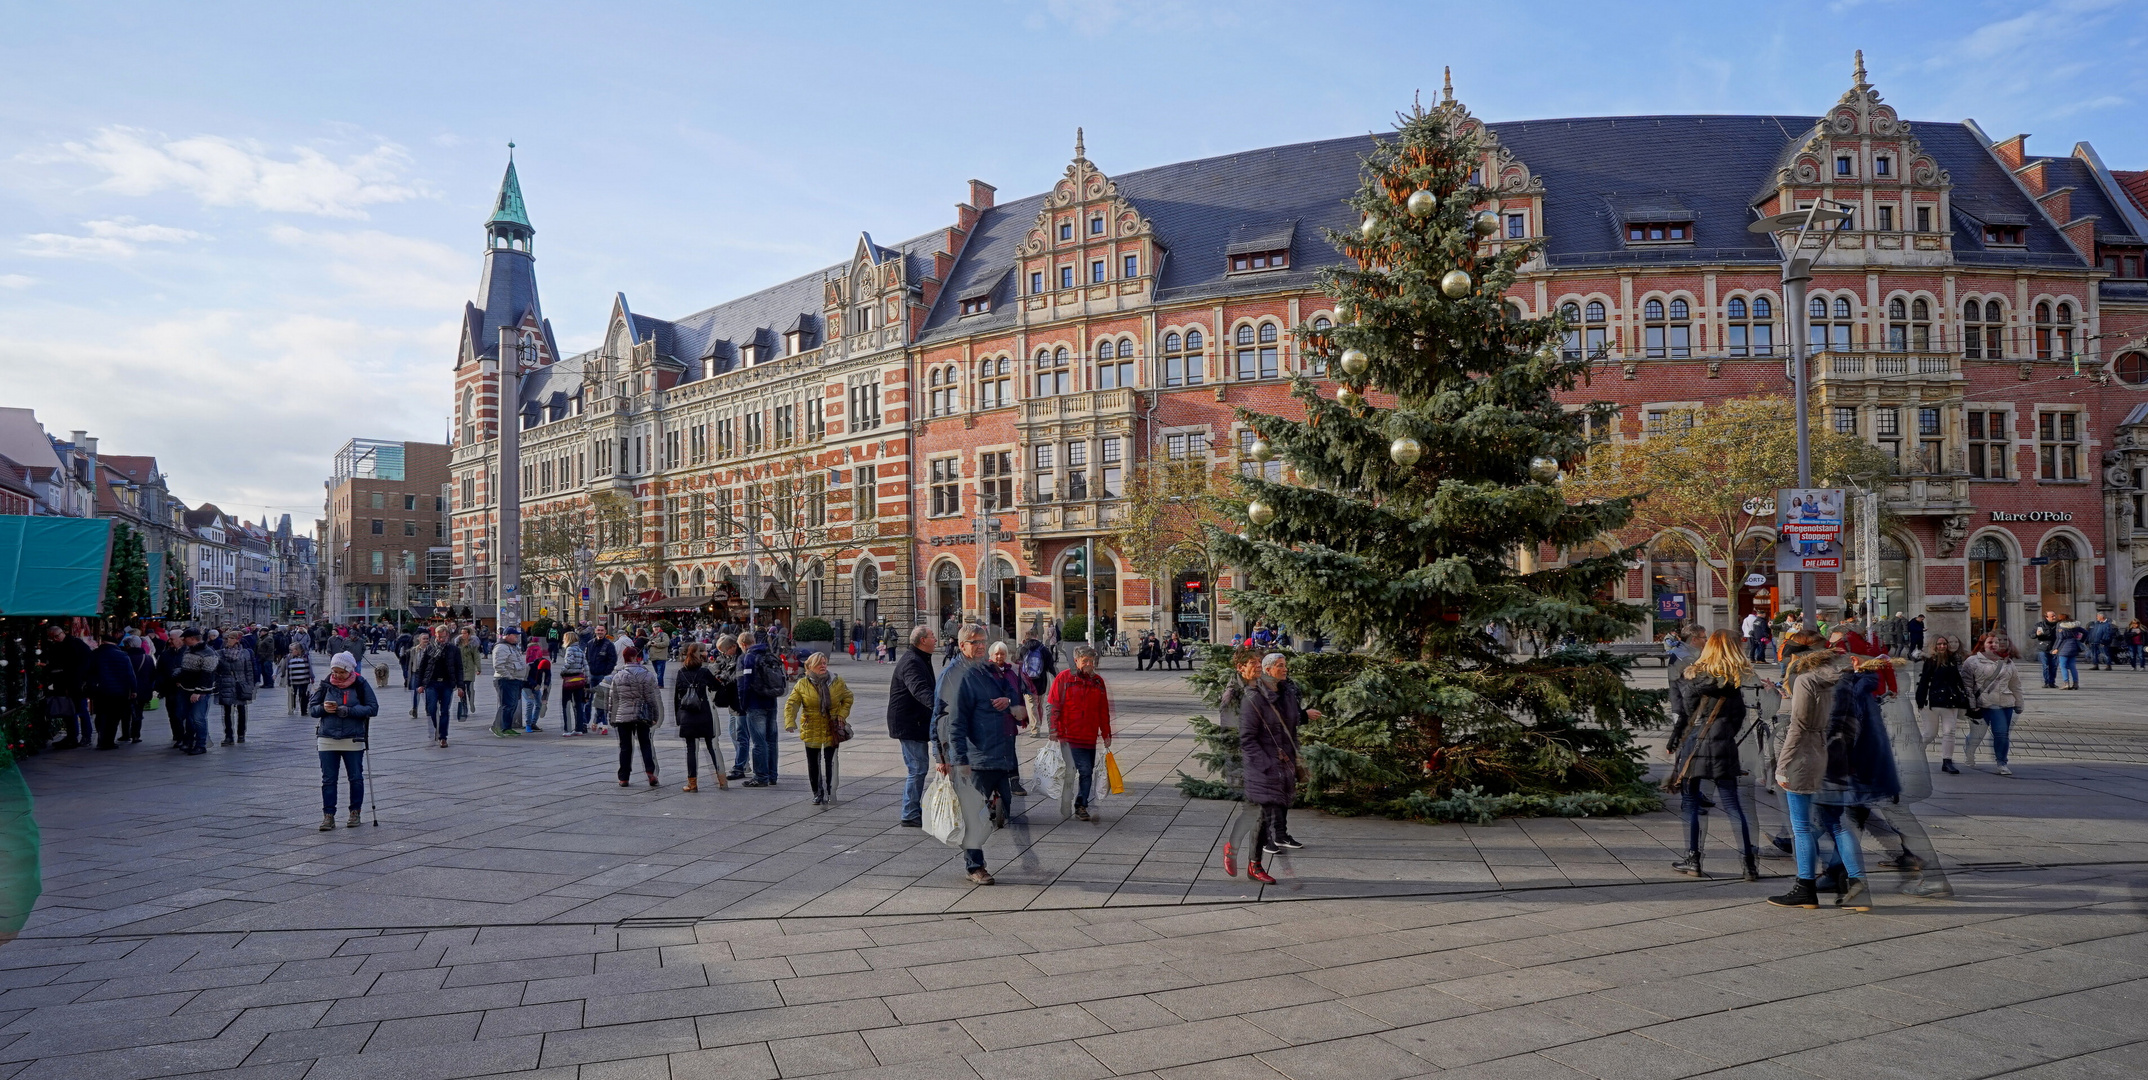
(1671, 605)
(1755, 581)
(1759, 506)
(1809, 524)
(585, 592)
(2039, 560)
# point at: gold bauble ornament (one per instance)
(1260, 450)
(1486, 223)
(1259, 513)
(1370, 228)
(1544, 468)
(1354, 361)
(1349, 398)
(1422, 202)
(1406, 450)
(1456, 284)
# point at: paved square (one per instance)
(517, 912)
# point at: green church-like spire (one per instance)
(508, 209)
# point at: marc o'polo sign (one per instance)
(2031, 515)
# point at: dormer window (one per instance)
(1066, 230)
(794, 342)
(1249, 262)
(976, 305)
(1659, 232)
(1845, 166)
(2005, 235)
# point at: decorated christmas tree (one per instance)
(1427, 479)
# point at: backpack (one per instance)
(1033, 664)
(767, 679)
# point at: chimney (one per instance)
(2032, 177)
(981, 194)
(2012, 151)
(90, 442)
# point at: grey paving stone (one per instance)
(424, 1003)
(447, 1061)
(646, 1068)
(1238, 998)
(425, 1031)
(893, 1046)
(687, 1001)
(835, 1051)
(584, 1045)
(750, 1061)
(308, 1043)
(1044, 1061)
(1028, 1027)
(764, 1025)
(533, 969)
(1361, 1058)
(614, 983)
(531, 1019)
(1184, 1044)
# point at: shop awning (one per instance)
(53, 565)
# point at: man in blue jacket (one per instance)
(2101, 636)
(757, 710)
(975, 732)
(603, 660)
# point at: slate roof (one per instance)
(2135, 183)
(707, 341)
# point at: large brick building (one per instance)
(1980, 319)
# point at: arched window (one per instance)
(1319, 364)
(1909, 325)
(1674, 577)
(1054, 372)
(2063, 346)
(1595, 336)
(1984, 330)
(937, 393)
(1834, 334)
(2061, 584)
(1183, 364)
(2043, 331)
(947, 595)
(469, 416)
(1666, 330)
(1752, 327)
(1258, 357)
(1570, 338)
(995, 382)
(1987, 587)
(1114, 365)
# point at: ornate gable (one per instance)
(1857, 117)
(1504, 174)
(1863, 158)
(1090, 249)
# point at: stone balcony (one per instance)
(1088, 405)
(1905, 368)
(1939, 494)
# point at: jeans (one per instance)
(533, 698)
(627, 736)
(197, 722)
(2137, 653)
(990, 782)
(466, 703)
(1084, 758)
(2001, 723)
(1726, 796)
(2050, 660)
(916, 759)
(439, 707)
(659, 666)
(2099, 655)
(1756, 649)
(353, 764)
(2069, 668)
(1804, 832)
(741, 744)
(574, 708)
(510, 691)
(761, 733)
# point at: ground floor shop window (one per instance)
(1987, 587)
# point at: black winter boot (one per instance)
(1690, 866)
(1752, 865)
(1801, 895)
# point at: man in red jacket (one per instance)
(1080, 711)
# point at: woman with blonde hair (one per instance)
(818, 709)
(1703, 745)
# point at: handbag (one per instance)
(576, 681)
(843, 733)
(58, 706)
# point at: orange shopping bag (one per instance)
(1112, 775)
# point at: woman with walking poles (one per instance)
(818, 708)
(636, 706)
(696, 694)
(345, 706)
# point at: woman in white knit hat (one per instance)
(345, 706)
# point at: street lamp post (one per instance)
(1791, 229)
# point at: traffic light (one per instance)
(1078, 562)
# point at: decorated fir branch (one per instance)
(1427, 476)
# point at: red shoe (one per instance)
(1254, 871)
(1230, 860)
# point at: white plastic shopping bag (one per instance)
(943, 810)
(1055, 777)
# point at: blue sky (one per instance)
(235, 235)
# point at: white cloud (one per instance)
(230, 172)
(115, 238)
(388, 270)
(16, 281)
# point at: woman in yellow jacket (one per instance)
(822, 700)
